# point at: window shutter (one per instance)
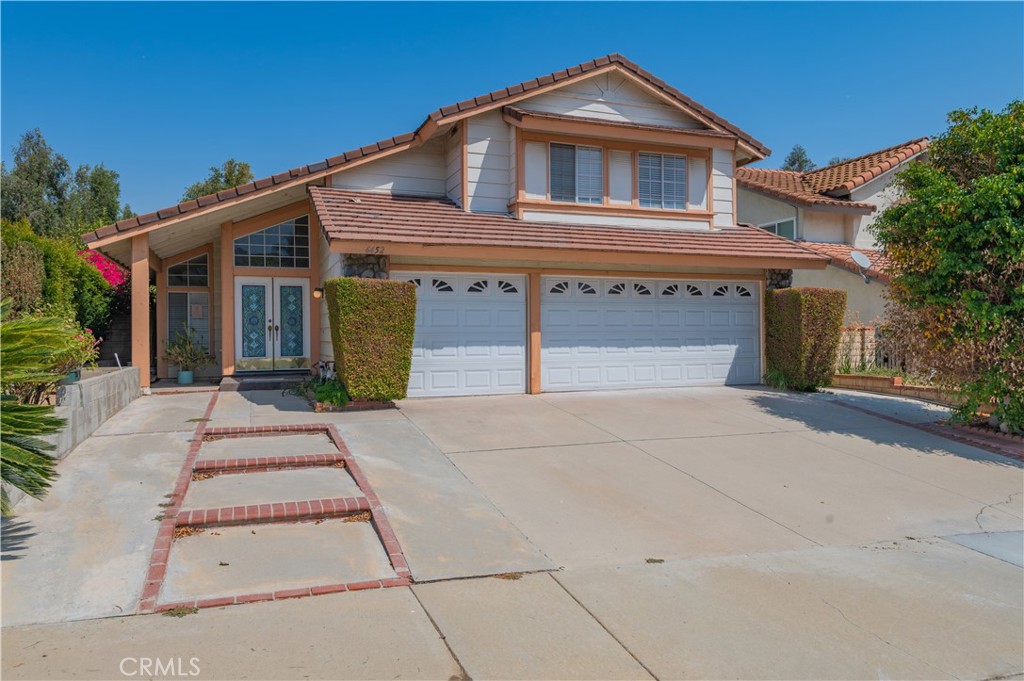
(589, 175)
(563, 172)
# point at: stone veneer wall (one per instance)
(86, 405)
(779, 279)
(364, 266)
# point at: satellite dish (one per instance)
(863, 262)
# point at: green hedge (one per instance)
(803, 326)
(372, 327)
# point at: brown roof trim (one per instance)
(378, 218)
(520, 114)
(581, 71)
(313, 170)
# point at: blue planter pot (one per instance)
(184, 378)
(72, 377)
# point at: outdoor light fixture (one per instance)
(318, 292)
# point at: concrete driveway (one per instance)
(694, 533)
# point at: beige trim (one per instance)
(625, 135)
(227, 300)
(314, 282)
(270, 218)
(611, 210)
(464, 177)
(556, 271)
(576, 255)
(533, 357)
(685, 150)
(140, 307)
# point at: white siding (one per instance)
(613, 220)
(419, 172)
(698, 188)
(610, 97)
(330, 268)
(536, 171)
(453, 165)
(488, 163)
(721, 186)
(620, 177)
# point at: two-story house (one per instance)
(831, 210)
(574, 231)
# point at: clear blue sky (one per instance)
(160, 92)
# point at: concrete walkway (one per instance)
(699, 533)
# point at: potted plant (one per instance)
(187, 353)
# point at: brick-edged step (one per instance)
(303, 592)
(265, 463)
(291, 510)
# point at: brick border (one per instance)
(264, 463)
(165, 535)
(272, 512)
(947, 431)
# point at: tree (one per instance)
(230, 174)
(41, 188)
(798, 160)
(28, 347)
(957, 248)
(837, 159)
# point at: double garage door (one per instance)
(596, 333)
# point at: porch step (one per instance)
(231, 384)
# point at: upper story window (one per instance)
(577, 174)
(661, 180)
(193, 272)
(283, 245)
(786, 228)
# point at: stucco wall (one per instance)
(864, 302)
(758, 209)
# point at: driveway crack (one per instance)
(977, 518)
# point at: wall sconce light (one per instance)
(318, 292)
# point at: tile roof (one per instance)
(825, 186)
(840, 255)
(436, 117)
(844, 177)
(347, 215)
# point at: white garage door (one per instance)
(470, 334)
(629, 333)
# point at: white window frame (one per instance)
(683, 184)
(590, 200)
(773, 227)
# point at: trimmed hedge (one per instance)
(802, 330)
(372, 327)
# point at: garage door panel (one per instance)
(638, 333)
(470, 334)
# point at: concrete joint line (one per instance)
(463, 674)
(606, 629)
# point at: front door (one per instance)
(271, 324)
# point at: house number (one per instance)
(375, 250)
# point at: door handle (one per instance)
(276, 330)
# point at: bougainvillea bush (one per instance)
(372, 327)
(111, 271)
(802, 331)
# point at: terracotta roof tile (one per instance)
(581, 70)
(840, 255)
(825, 186)
(846, 176)
(347, 215)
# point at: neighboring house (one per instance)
(830, 210)
(575, 231)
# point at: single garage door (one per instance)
(631, 333)
(470, 334)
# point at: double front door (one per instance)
(271, 323)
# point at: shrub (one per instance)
(802, 332)
(331, 391)
(22, 275)
(185, 351)
(71, 286)
(372, 327)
